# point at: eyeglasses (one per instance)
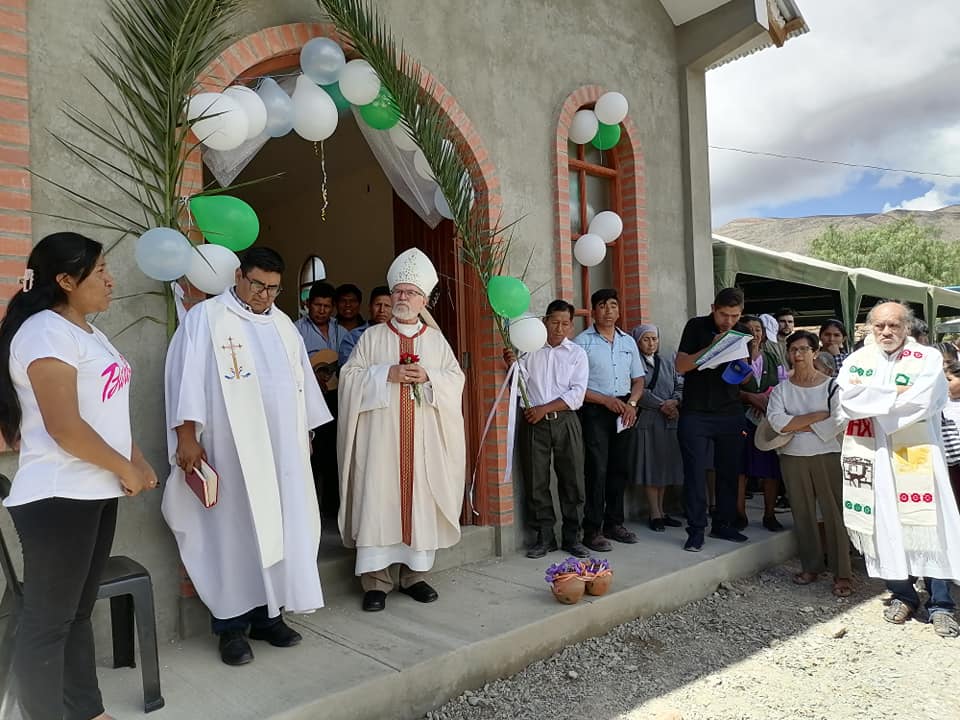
(260, 288)
(407, 293)
(800, 350)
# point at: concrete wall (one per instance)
(510, 66)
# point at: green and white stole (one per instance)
(243, 399)
(911, 456)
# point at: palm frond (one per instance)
(150, 55)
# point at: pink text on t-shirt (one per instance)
(117, 376)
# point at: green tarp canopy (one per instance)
(819, 290)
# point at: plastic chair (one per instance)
(128, 586)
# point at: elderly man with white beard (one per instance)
(401, 442)
(898, 504)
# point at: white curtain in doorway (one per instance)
(397, 165)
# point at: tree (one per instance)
(901, 248)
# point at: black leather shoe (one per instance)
(576, 549)
(234, 648)
(279, 635)
(421, 592)
(657, 525)
(374, 600)
(728, 533)
(671, 522)
(771, 523)
(541, 547)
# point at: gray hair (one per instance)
(908, 316)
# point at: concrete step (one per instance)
(337, 563)
(493, 618)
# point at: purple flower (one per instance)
(570, 565)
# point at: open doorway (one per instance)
(334, 201)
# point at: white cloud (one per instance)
(872, 83)
(934, 199)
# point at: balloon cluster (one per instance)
(229, 226)
(591, 247)
(601, 126)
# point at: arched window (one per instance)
(589, 181)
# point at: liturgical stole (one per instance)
(248, 422)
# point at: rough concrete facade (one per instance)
(510, 66)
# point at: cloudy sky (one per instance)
(875, 82)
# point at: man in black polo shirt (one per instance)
(711, 416)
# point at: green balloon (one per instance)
(225, 220)
(607, 137)
(333, 90)
(509, 297)
(382, 113)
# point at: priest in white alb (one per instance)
(898, 504)
(401, 442)
(242, 398)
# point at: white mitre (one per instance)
(413, 267)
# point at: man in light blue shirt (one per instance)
(614, 388)
(318, 328)
(381, 310)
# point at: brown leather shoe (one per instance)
(597, 542)
(621, 534)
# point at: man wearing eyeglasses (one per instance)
(241, 399)
(401, 442)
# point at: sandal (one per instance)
(841, 588)
(898, 612)
(805, 578)
(944, 624)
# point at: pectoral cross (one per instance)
(233, 354)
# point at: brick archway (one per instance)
(636, 294)
(277, 48)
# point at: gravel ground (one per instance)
(757, 649)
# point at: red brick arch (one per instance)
(275, 49)
(635, 294)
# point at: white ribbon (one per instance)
(513, 380)
(178, 296)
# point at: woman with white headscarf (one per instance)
(657, 462)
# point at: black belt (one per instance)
(555, 414)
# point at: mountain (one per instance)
(796, 234)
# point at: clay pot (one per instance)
(599, 585)
(568, 590)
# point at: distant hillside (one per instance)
(796, 234)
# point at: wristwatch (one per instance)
(632, 403)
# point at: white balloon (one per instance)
(359, 82)
(611, 108)
(590, 250)
(584, 126)
(607, 225)
(314, 112)
(227, 130)
(163, 253)
(403, 141)
(213, 269)
(443, 207)
(279, 108)
(528, 334)
(422, 167)
(252, 106)
(321, 60)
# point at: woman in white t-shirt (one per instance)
(807, 408)
(64, 402)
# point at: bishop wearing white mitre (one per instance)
(401, 442)
(242, 398)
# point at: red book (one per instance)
(205, 484)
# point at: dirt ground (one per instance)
(757, 649)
